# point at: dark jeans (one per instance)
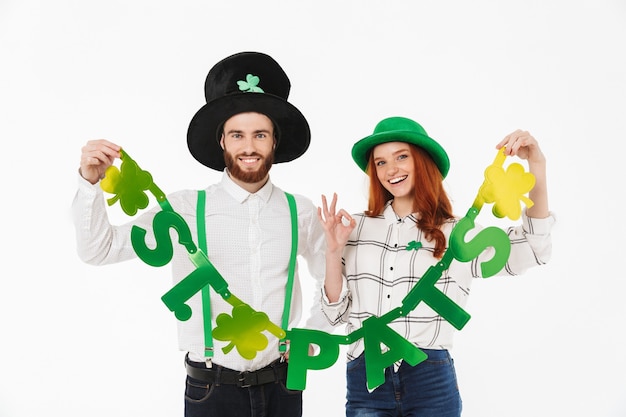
(224, 400)
(427, 390)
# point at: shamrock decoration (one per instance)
(251, 85)
(506, 188)
(413, 245)
(243, 329)
(128, 185)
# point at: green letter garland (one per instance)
(129, 185)
(504, 188)
(500, 186)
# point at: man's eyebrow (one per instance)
(254, 132)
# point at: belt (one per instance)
(277, 371)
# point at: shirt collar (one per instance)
(239, 194)
(391, 216)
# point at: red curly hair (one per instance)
(430, 199)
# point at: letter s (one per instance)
(490, 236)
(163, 251)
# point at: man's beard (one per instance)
(250, 177)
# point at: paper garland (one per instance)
(244, 329)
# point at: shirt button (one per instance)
(388, 295)
(391, 268)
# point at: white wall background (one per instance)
(550, 343)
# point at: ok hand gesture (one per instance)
(337, 232)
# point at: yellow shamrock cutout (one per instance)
(505, 188)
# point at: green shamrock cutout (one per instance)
(243, 330)
(413, 245)
(128, 185)
(251, 85)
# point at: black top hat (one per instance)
(247, 82)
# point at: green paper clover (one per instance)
(243, 330)
(128, 185)
(506, 189)
(251, 85)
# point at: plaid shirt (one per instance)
(380, 267)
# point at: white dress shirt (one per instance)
(379, 271)
(248, 241)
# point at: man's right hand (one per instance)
(96, 157)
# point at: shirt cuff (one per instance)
(342, 295)
(535, 226)
(87, 187)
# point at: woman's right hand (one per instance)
(337, 232)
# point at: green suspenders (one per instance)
(282, 347)
(206, 299)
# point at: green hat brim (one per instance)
(361, 150)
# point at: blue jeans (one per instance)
(224, 400)
(429, 389)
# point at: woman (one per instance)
(373, 260)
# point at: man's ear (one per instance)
(222, 141)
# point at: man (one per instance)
(245, 127)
